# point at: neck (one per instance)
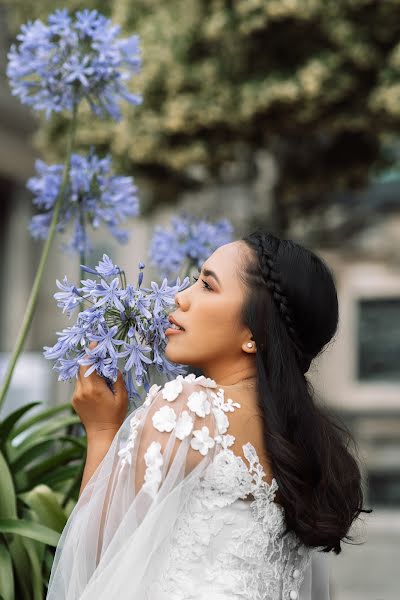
(226, 377)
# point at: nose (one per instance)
(181, 300)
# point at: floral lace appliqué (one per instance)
(230, 533)
(126, 451)
(164, 419)
(152, 393)
(184, 425)
(202, 441)
(154, 462)
(238, 550)
(172, 389)
(198, 403)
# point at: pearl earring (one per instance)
(249, 345)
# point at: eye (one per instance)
(205, 283)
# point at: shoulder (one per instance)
(181, 389)
(193, 407)
(180, 404)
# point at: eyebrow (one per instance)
(209, 273)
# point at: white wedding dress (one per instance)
(175, 511)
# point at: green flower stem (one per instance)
(82, 252)
(30, 308)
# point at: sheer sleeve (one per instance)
(129, 506)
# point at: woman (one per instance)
(231, 484)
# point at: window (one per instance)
(379, 339)
(384, 488)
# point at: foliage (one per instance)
(40, 472)
(314, 81)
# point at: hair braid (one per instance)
(273, 281)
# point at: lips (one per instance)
(171, 319)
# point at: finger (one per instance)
(119, 385)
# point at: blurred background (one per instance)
(276, 113)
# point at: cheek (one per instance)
(213, 333)
(219, 322)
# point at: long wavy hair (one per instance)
(291, 308)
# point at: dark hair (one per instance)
(291, 308)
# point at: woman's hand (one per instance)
(98, 407)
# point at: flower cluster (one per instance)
(127, 322)
(59, 64)
(93, 196)
(189, 240)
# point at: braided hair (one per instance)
(291, 309)
(267, 247)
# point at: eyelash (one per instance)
(205, 282)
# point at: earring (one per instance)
(249, 345)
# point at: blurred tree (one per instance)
(316, 82)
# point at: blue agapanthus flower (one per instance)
(127, 323)
(73, 58)
(188, 242)
(94, 196)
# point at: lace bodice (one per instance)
(228, 541)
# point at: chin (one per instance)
(175, 355)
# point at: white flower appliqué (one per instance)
(154, 462)
(230, 405)
(126, 451)
(172, 389)
(164, 419)
(152, 393)
(191, 378)
(219, 401)
(221, 420)
(206, 381)
(184, 425)
(225, 440)
(198, 403)
(201, 440)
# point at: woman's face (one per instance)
(209, 311)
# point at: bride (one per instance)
(230, 485)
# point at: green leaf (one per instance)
(79, 442)
(6, 574)
(42, 416)
(49, 428)
(47, 565)
(9, 422)
(21, 567)
(64, 474)
(36, 447)
(8, 503)
(21, 482)
(34, 531)
(46, 506)
(30, 453)
(35, 570)
(35, 474)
